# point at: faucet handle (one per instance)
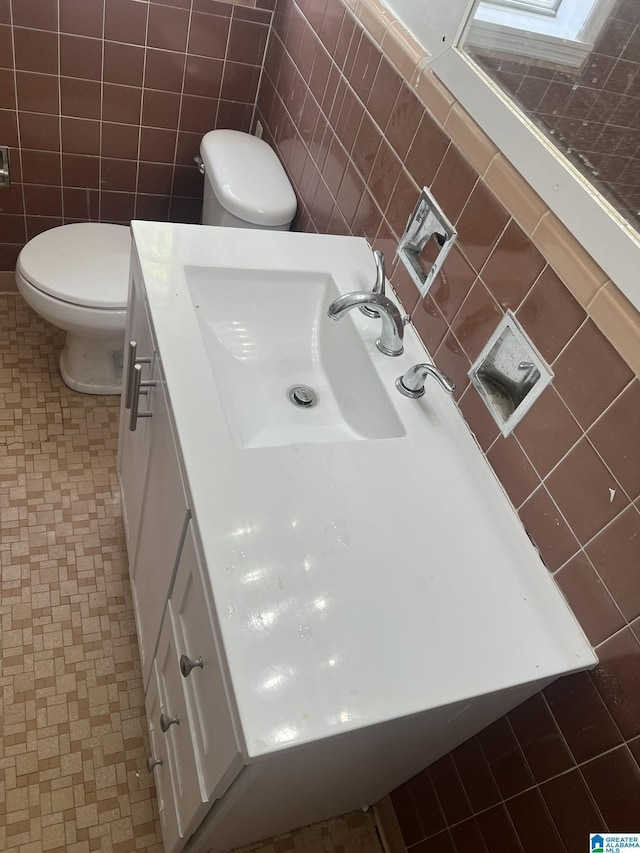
(411, 383)
(378, 287)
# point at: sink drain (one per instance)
(303, 396)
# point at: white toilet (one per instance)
(77, 276)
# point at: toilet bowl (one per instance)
(76, 276)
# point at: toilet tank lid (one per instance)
(247, 178)
(85, 263)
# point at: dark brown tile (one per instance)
(402, 203)
(7, 88)
(212, 7)
(404, 288)
(547, 431)
(152, 207)
(550, 315)
(425, 805)
(234, 116)
(619, 803)
(512, 268)
(453, 182)
(590, 374)
(452, 360)
(41, 167)
(406, 116)
(615, 437)
(331, 23)
(385, 240)
(40, 132)
(155, 178)
(429, 323)
(187, 182)
(589, 599)
(247, 42)
(533, 824)
(124, 64)
(12, 200)
(441, 842)
(9, 256)
(367, 219)
(540, 739)
(513, 469)
(505, 758)
(384, 174)
(366, 146)
(497, 831)
(480, 225)
(121, 104)
(335, 166)
(116, 207)
(36, 50)
(6, 47)
(548, 530)
(77, 17)
(452, 284)
(157, 145)
(617, 678)
(80, 98)
(37, 224)
(383, 93)
(476, 777)
(198, 115)
(572, 808)
(478, 418)
(79, 171)
(208, 35)
(80, 57)
(83, 204)
(582, 716)
(39, 14)
(476, 320)
(80, 136)
(585, 491)
(125, 21)
(188, 210)
(349, 120)
(118, 175)
(240, 82)
(427, 151)
(203, 76)
(38, 93)
(164, 70)
(448, 787)
(42, 201)
(615, 555)
(350, 193)
(120, 140)
(365, 67)
(13, 228)
(467, 836)
(348, 32)
(167, 28)
(337, 223)
(160, 109)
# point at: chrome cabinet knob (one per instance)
(186, 665)
(166, 722)
(153, 762)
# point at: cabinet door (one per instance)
(166, 804)
(162, 525)
(176, 730)
(133, 446)
(217, 754)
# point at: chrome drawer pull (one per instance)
(166, 722)
(153, 762)
(135, 400)
(186, 665)
(132, 360)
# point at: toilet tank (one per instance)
(245, 185)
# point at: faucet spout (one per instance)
(392, 333)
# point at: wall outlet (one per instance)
(258, 131)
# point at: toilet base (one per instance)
(92, 365)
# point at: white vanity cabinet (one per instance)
(309, 638)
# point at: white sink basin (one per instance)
(266, 333)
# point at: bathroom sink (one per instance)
(285, 373)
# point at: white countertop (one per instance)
(354, 582)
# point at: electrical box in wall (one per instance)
(5, 170)
(426, 241)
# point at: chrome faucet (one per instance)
(390, 340)
(378, 287)
(411, 383)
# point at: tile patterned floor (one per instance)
(73, 740)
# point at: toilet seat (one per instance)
(84, 263)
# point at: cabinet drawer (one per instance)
(166, 803)
(217, 754)
(174, 729)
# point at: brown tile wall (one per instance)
(104, 102)
(592, 113)
(358, 144)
